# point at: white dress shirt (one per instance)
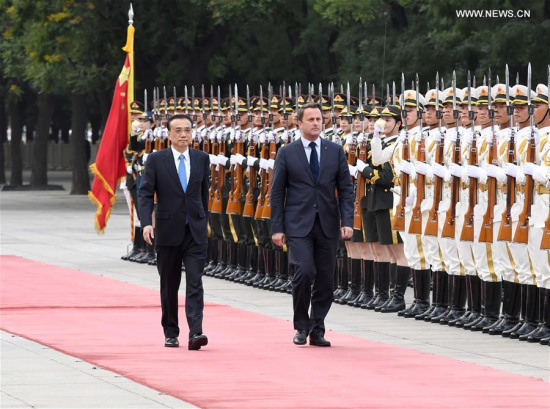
(306, 143)
(187, 161)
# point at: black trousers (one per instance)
(314, 260)
(169, 262)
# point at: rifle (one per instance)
(399, 219)
(248, 210)
(486, 232)
(432, 225)
(213, 172)
(263, 173)
(206, 141)
(450, 217)
(352, 153)
(545, 242)
(148, 147)
(467, 233)
(266, 212)
(217, 205)
(505, 230)
(237, 172)
(415, 226)
(522, 231)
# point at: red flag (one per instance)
(110, 166)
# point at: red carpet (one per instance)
(250, 362)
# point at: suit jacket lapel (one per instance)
(171, 168)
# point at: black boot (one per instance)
(368, 268)
(281, 270)
(260, 273)
(475, 302)
(363, 298)
(421, 286)
(383, 285)
(222, 258)
(510, 309)
(544, 318)
(375, 296)
(212, 256)
(241, 263)
(522, 309)
(355, 284)
(281, 285)
(136, 246)
(288, 285)
(440, 300)
(492, 297)
(230, 260)
(391, 274)
(397, 302)
(436, 318)
(268, 265)
(458, 300)
(531, 313)
(345, 297)
(150, 254)
(250, 265)
(342, 275)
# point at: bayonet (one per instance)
(470, 112)
(437, 110)
(269, 98)
(530, 107)
(262, 117)
(248, 111)
(237, 115)
(388, 95)
(194, 116)
(373, 96)
(362, 94)
(403, 110)
(145, 101)
(490, 110)
(219, 106)
(285, 114)
(394, 93)
(517, 78)
(418, 109)
(175, 101)
(455, 111)
(509, 107)
(230, 106)
(332, 112)
(165, 102)
(348, 97)
(185, 97)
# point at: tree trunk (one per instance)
(81, 178)
(3, 136)
(16, 123)
(39, 165)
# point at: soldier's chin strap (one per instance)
(544, 117)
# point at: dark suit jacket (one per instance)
(296, 197)
(174, 205)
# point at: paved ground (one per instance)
(56, 228)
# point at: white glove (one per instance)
(401, 136)
(240, 158)
(145, 156)
(452, 136)
(377, 131)
(251, 160)
(494, 171)
(263, 163)
(129, 169)
(360, 165)
(512, 169)
(439, 170)
(213, 159)
(148, 134)
(233, 160)
(421, 168)
(455, 170)
(262, 137)
(137, 167)
(528, 168)
(352, 170)
(418, 137)
(349, 139)
(477, 173)
(157, 132)
(409, 201)
(360, 138)
(135, 127)
(407, 167)
(164, 133)
(505, 135)
(219, 136)
(438, 137)
(468, 138)
(222, 160)
(270, 136)
(270, 163)
(284, 136)
(541, 175)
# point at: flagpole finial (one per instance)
(131, 15)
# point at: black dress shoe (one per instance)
(300, 337)
(318, 341)
(197, 341)
(171, 342)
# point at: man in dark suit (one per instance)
(311, 198)
(179, 178)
